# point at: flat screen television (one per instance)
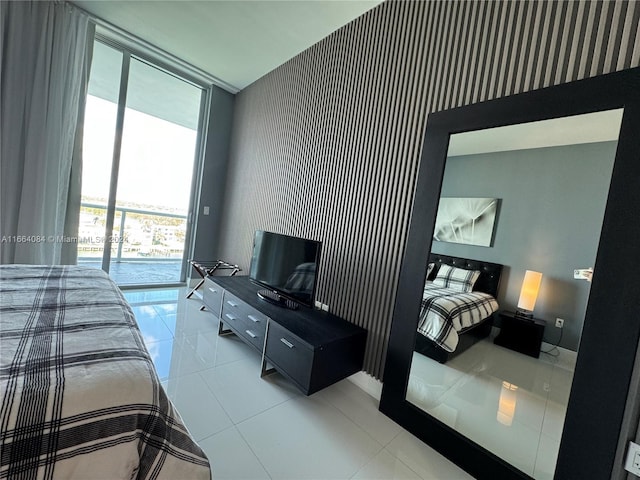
(286, 266)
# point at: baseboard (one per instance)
(565, 358)
(367, 383)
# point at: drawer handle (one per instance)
(254, 318)
(233, 304)
(229, 316)
(213, 290)
(251, 334)
(287, 343)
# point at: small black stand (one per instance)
(522, 335)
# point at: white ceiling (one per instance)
(587, 128)
(235, 41)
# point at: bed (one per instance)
(452, 321)
(80, 395)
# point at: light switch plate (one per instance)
(633, 459)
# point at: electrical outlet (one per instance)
(559, 322)
(325, 307)
(633, 459)
(205, 210)
(318, 305)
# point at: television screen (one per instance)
(286, 265)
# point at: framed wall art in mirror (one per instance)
(607, 335)
(465, 220)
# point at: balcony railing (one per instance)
(137, 234)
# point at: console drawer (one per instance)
(232, 309)
(244, 320)
(254, 327)
(212, 296)
(251, 334)
(289, 355)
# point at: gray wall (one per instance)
(550, 217)
(327, 145)
(214, 175)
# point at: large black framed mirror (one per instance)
(609, 335)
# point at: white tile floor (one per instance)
(263, 428)
(512, 404)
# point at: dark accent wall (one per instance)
(327, 145)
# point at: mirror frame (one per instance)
(611, 328)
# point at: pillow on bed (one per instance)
(456, 278)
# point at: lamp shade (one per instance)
(529, 291)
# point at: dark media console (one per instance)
(312, 348)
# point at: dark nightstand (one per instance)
(523, 335)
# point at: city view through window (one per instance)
(153, 185)
(151, 166)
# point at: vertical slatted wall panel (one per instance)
(327, 145)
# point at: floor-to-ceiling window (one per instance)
(140, 150)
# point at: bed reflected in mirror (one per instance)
(528, 197)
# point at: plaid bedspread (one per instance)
(445, 312)
(80, 396)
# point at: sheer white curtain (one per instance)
(45, 57)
